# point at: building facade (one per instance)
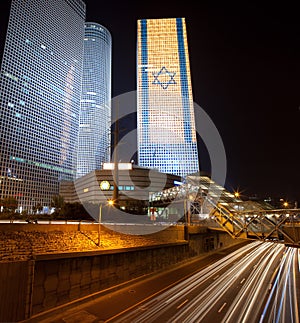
(95, 107)
(165, 110)
(135, 185)
(40, 85)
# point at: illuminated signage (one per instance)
(121, 166)
(104, 185)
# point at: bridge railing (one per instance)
(241, 219)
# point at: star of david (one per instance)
(164, 78)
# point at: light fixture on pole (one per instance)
(237, 194)
(110, 202)
(99, 223)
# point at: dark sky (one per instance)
(245, 70)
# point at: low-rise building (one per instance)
(128, 187)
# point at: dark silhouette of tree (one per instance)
(75, 211)
(9, 204)
(37, 208)
(58, 203)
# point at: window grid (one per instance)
(166, 122)
(95, 109)
(40, 84)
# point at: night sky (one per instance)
(245, 71)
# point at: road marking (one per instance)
(178, 307)
(221, 308)
(143, 308)
(81, 316)
(242, 280)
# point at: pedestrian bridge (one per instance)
(208, 204)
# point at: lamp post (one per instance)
(110, 202)
(99, 223)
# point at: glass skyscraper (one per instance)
(166, 122)
(95, 106)
(40, 86)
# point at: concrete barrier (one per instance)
(59, 279)
(15, 290)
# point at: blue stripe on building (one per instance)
(145, 92)
(184, 83)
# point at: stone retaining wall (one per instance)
(61, 280)
(22, 241)
(49, 279)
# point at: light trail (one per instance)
(216, 291)
(250, 299)
(208, 294)
(178, 292)
(282, 304)
(219, 283)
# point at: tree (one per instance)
(37, 208)
(58, 203)
(9, 204)
(76, 211)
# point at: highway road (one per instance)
(233, 289)
(258, 282)
(283, 301)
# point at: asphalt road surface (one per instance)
(229, 285)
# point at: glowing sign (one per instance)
(121, 166)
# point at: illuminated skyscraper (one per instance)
(40, 85)
(95, 109)
(166, 122)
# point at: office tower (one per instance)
(166, 122)
(40, 87)
(95, 109)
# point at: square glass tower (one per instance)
(40, 85)
(165, 110)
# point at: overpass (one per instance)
(208, 204)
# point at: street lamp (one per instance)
(237, 194)
(110, 202)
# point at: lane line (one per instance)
(221, 308)
(178, 307)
